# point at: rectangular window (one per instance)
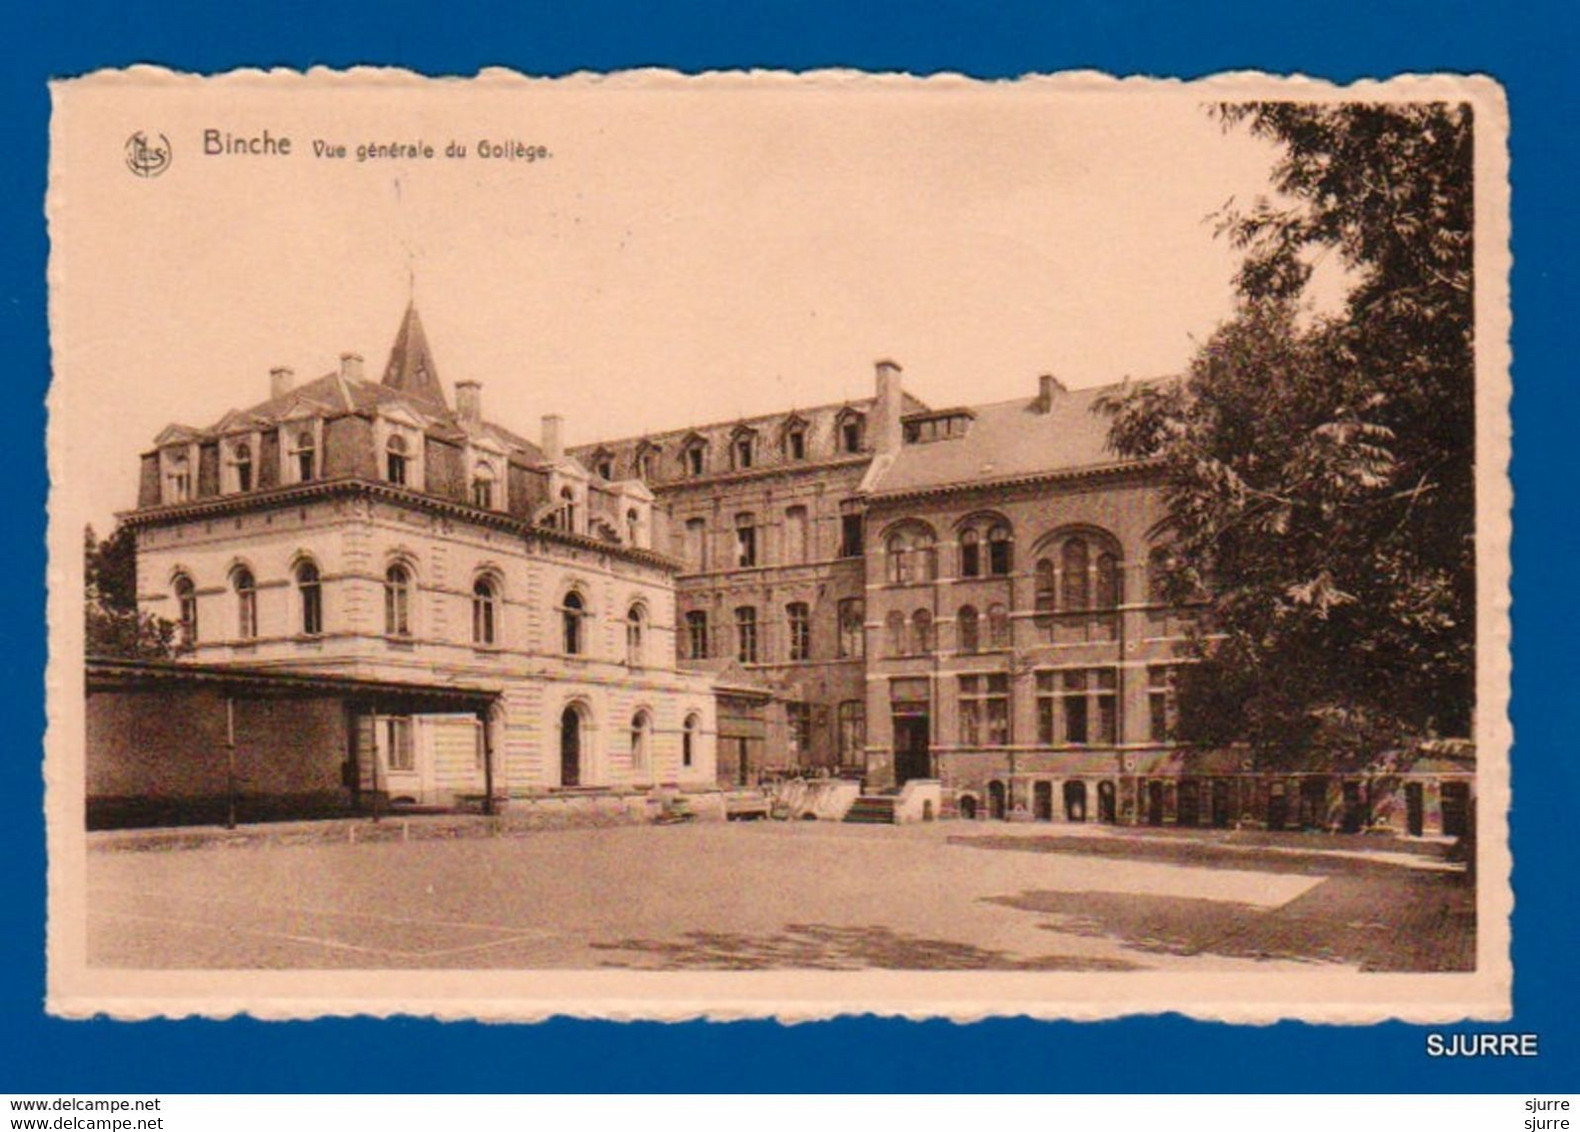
(1160, 701)
(694, 460)
(852, 634)
(798, 445)
(745, 541)
(697, 634)
(984, 710)
(1078, 706)
(852, 732)
(850, 543)
(399, 751)
(746, 634)
(800, 624)
(799, 720)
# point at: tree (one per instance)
(115, 627)
(1320, 470)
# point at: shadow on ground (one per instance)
(1414, 923)
(828, 948)
(1221, 854)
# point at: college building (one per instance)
(875, 590)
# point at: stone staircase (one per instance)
(873, 809)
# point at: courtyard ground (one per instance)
(944, 896)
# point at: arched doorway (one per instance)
(1105, 802)
(968, 808)
(571, 747)
(1154, 802)
(1075, 801)
(1042, 801)
(996, 801)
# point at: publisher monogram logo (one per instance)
(147, 157)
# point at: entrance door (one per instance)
(1414, 808)
(1042, 801)
(1220, 803)
(1105, 802)
(1314, 802)
(912, 758)
(997, 801)
(571, 747)
(1075, 801)
(1189, 812)
(1154, 803)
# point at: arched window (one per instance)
(1110, 582)
(922, 631)
(894, 625)
(395, 459)
(894, 556)
(397, 601)
(311, 599)
(483, 486)
(572, 612)
(306, 455)
(998, 626)
(246, 604)
(1075, 561)
(999, 558)
(641, 729)
(484, 611)
(178, 478)
(1045, 596)
(635, 619)
(924, 557)
(241, 462)
(1157, 575)
(966, 628)
(688, 740)
(186, 611)
(970, 553)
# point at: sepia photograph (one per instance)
(649, 546)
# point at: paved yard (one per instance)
(947, 896)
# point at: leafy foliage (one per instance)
(1320, 471)
(115, 627)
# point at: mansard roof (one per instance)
(1009, 440)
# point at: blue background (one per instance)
(1531, 49)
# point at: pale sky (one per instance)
(686, 254)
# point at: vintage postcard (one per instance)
(662, 546)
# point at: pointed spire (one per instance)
(411, 369)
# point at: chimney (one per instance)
(469, 401)
(351, 367)
(1049, 390)
(553, 441)
(888, 407)
(281, 378)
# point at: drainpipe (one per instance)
(488, 765)
(230, 762)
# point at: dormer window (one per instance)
(567, 509)
(797, 444)
(178, 477)
(395, 460)
(304, 450)
(483, 487)
(241, 466)
(694, 458)
(743, 447)
(850, 429)
(647, 464)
